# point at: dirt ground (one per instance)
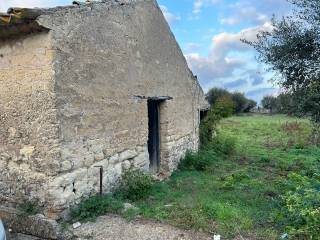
(114, 227)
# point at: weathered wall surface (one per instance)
(29, 145)
(69, 99)
(107, 54)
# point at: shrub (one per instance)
(224, 144)
(301, 207)
(224, 107)
(91, 208)
(197, 161)
(135, 185)
(208, 128)
(230, 181)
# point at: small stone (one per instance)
(126, 165)
(99, 156)
(216, 237)
(285, 235)
(27, 151)
(66, 166)
(76, 225)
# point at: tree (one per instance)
(292, 48)
(251, 104)
(224, 106)
(240, 101)
(286, 104)
(270, 103)
(215, 93)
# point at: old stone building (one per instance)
(88, 85)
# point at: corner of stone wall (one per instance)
(37, 225)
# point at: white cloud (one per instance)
(244, 12)
(254, 12)
(227, 55)
(170, 17)
(191, 47)
(199, 4)
(225, 42)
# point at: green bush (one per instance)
(208, 127)
(91, 208)
(224, 144)
(200, 161)
(194, 161)
(230, 181)
(301, 207)
(224, 107)
(135, 185)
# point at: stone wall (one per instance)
(29, 140)
(108, 56)
(105, 56)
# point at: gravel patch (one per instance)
(116, 228)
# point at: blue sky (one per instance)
(209, 33)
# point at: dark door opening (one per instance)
(203, 114)
(154, 134)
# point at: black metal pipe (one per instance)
(101, 179)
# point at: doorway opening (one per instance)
(154, 134)
(203, 113)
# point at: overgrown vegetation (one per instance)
(300, 212)
(208, 126)
(242, 185)
(89, 209)
(256, 179)
(135, 185)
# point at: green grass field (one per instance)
(238, 195)
(259, 179)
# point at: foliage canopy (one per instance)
(292, 48)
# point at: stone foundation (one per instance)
(69, 188)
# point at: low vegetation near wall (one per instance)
(257, 179)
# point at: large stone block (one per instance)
(128, 154)
(37, 225)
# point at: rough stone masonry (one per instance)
(75, 83)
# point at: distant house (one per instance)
(89, 85)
